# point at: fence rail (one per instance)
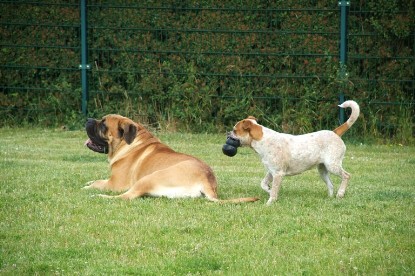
(202, 67)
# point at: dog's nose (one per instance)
(89, 122)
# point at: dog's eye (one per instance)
(102, 127)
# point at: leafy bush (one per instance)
(182, 65)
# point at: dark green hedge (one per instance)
(186, 65)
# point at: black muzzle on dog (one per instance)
(95, 142)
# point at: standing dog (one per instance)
(284, 154)
(142, 165)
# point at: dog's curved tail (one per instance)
(352, 119)
(237, 200)
(210, 191)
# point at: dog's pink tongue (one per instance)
(87, 142)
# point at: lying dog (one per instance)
(285, 154)
(142, 165)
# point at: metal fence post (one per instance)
(84, 66)
(344, 13)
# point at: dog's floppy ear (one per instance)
(246, 124)
(255, 130)
(127, 130)
(252, 118)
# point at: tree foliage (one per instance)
(186, 65)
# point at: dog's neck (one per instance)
(267, 141)
(142, 139)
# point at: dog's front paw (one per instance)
(104, 196)
(340, 194)
(112, 196)
(88, 185)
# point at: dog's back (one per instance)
(297, 153)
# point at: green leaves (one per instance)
(202, 66)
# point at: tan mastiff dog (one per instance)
(142, 165)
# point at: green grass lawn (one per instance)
(48, 225)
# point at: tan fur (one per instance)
(142, 165)
(249, 126)
(353, 117)
(284, 154)
(340, 130)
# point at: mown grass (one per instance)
(48, 225)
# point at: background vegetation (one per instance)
(49, 226)
(201, 66)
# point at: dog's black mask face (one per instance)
(96, 131)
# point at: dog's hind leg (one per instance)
(345, 180)
(140, 188)
(130, 194)
(345, 176)
(324, 174)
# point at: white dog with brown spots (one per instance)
(284, 154)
